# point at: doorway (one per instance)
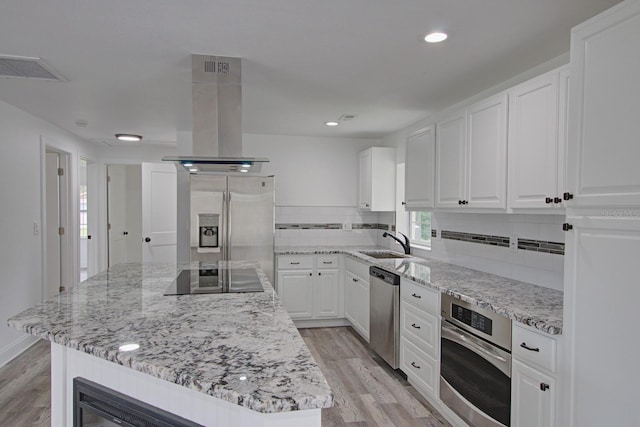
(141, 213)
(87, 218)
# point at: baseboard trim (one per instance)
(15, 348)
(321, 323)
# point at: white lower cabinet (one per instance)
(356, 296)
(422, 370)
(420, 336)
(356, 304)
(295, 289)
(533, 396)
(534, 372)
(309, 286)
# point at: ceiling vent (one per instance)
(28, 68)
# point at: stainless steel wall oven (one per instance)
(475, 370)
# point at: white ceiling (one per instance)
(304, 61)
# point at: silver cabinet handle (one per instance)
(355, 280)
(414, 365)
(413, 325)
(295, 263)
(416, 296)
(327, 262)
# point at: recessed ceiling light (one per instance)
(435, 37)
(244, 170)
(331, 123)
(128, 137)
(246, 165)
(187, 165)
(193, 170)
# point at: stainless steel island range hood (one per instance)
(217, 118)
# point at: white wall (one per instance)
(20, 181)
(311, 171)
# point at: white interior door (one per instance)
(159, 222)
(53, 223)
(117, 208)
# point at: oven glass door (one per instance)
(478, 371)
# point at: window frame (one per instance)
(412, 223)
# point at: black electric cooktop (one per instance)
(215, 281)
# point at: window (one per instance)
(420, 228)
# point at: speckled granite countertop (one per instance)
(208, 343)
(532, 305)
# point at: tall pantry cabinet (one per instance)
(602, 268)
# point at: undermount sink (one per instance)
(383, 254)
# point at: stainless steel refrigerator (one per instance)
(230, 218)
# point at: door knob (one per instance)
(147, 239)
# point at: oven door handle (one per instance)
(455, 334)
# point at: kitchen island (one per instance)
(216, 359)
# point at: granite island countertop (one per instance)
(522, 302)
(242, 348)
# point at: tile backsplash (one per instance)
(326, 225)
(528, 248)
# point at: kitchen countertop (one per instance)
(204, 342)
(522, 302)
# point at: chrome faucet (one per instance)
(405, 245)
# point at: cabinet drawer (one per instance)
(327, 261)
(420, 296)
(420, 327)
(542, 349)
(295, 262)
(421, 369)
(358, 268)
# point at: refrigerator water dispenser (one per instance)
(208, 230)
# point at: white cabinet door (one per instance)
(601, 317)
(563, 132)
(487, 153)
(326, 286)
(363, 309)
(364, 182)
(604, 108)
(533, 144)
(451, 161)
(295, 289)
(356, 308)
(351, 307)
(533, 397)
(420, 170)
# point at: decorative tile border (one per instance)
(331, 226)
(476, 238)
(541, 246)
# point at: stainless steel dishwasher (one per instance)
(384, 315)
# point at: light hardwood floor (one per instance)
(367, 392)
(25, 385)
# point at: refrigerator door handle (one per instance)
(227, 246)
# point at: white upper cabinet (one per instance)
(487, 153)
(604, 109)
(471, 157)
(534, 144)
(377, 179)
(420, 170)
(451, 160)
